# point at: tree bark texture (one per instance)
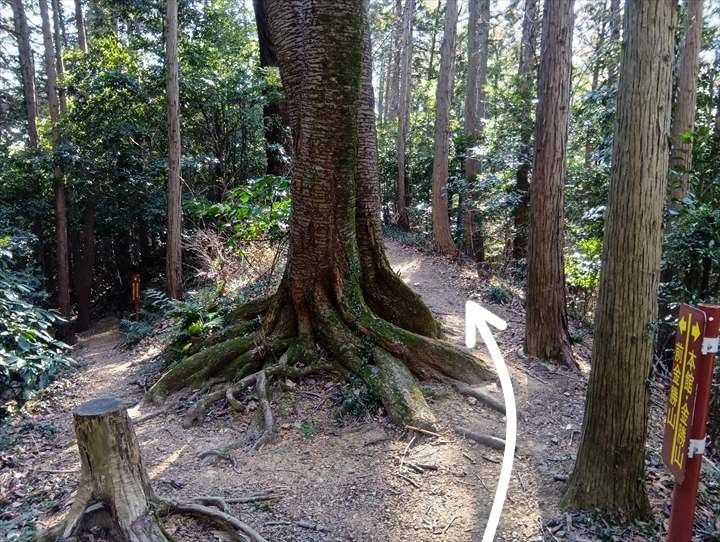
(112, 474)
(403, 114)
(59, 62)
(442, 237)
(609, 473)
(61, 230)
(526, 72)
(546, 327)
(27, 70)
(683, 118)
(475, 79)
(173, 262)
(338, 289)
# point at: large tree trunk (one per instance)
(173, 261)
(475, 79)
(683, 120)
(526, 71)
(338, 289)
(609, 472)
(403, 114)
(546, 328)
(27, 70)
(442, 237)
(61, 232)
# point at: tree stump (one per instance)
(114, 491)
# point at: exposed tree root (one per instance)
(389, 355)
(486, 440)
(480, 395)
(218, 516)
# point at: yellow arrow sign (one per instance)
(696, 332)
(683, 324)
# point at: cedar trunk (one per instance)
(80, 26)
(683, 119)
(475, 79)
(547, 333)
(442, 237)
(61, 232)
(526, 71)
(27, 70)
(609, 472)
(173, 261)
(403, 114)
(338, 290)
(59, 62)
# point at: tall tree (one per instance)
(683, 119)
(442, 237)
(80, 26)
(609, 472)
(546, 329)
(86, 261)
(173, 262)
(475, 79)
(338, 289)
(526, 73)
(27, 70)
(59, 61)
(615, 36)
(403, 113)
(61, 234)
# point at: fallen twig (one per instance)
(408, 480)
(423, 431)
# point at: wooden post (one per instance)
(114, 489)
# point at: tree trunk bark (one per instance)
(403, 114)
(442, 237)
(61, 231)
(80, 25)
(27, 70)
(526, 71)
(475, 79)
(173, 263)
(112, 475)
(433, 40)
(59, 62)
(546, 327)
(338, 289)
(683, 120)
(609, 472)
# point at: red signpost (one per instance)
(136, 294)
(696, 346)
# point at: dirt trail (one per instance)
(343, 478)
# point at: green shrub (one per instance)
(30, 357)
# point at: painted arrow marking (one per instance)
(480, 319)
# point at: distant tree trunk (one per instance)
(433, 40)
(392, 98)
(546, 327)
(442, 237)
(382, 79)
(85, 268)
(683, 120)
(615, 37)
(273, 117)
(59, 62)
(80, 25)
(475, 79)
(403, 113)
(526, 71)
(61, 232)
(609, 473)
(27, 70)
(598, 60)
(173, 265)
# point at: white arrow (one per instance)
(480, 319)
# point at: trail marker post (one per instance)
(136, 294)
(696, 345)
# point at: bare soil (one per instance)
(337, 479)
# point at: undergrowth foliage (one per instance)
(30, 357)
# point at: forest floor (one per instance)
(340, 479)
